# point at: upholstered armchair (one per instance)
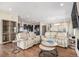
(34, 37)
(21, 38)
(27, 40)
(62, 39)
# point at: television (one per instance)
(74, 16)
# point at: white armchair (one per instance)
(27, 40)
(34, 37)
(62, 39)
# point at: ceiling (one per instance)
(39, 11)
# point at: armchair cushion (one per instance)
(21, 36)
(61, 36)
(32, 35)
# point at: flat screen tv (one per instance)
(74, 16)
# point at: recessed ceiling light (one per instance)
(61, 4)
(10, 9)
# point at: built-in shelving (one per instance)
(9, 31)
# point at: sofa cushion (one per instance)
(61, 36)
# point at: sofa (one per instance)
(27, 39)
(59, 37)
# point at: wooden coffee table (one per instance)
(48, 49)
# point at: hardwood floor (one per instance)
(6, 51)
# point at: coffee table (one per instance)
(48, 49)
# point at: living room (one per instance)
(39, 29)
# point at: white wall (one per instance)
(6, 16)
(78, 7)
(0, 31)
(71, 30)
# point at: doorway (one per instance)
(43, 29)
